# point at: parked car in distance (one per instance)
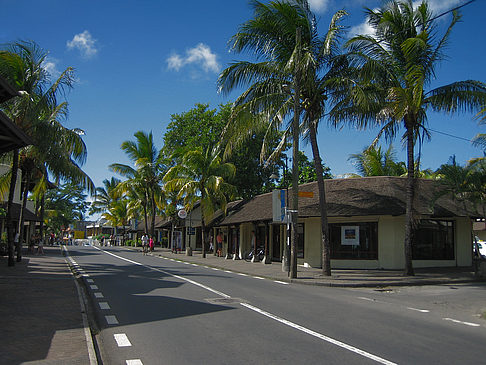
(481, 247)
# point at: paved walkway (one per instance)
(339, 278)
(40, 313)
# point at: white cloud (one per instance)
(85, 43)
(200, 55)
(318, 5)
(50, 65)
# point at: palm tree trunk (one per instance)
(10, 223)
(326, 252)
(152, 227)
(21, 218)
(295, 163)
(42, 211)
(203, 233)
(409, 203)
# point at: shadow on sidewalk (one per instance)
(40, 311)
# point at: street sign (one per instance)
(182, 214)
(306, 194)
(191, 231)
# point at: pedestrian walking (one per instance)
(151, 244)
(40, 247)
(144, 243)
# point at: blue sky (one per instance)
(138, 62)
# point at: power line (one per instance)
(449, 135)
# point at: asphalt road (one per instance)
(157, 311)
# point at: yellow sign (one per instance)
(78, 234)
(306, 194)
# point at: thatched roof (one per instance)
(370, 196)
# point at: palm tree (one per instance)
(284, 35)
(143, 180)
(118, 214)
(105, 196)
(373, 161)
(36, 113)
(200, 177)
(396, 64)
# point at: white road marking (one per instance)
(241, 274)
(89, 280)
(229, 272)
(267, 314)
(111, 320)
(319, 335)
(104, 305)
(258, 277)
(122, 340)
(419, 310)
(281, 282)
(94, 287)
(98, 295)
(461, 322)
(134, 362)
(368, 299)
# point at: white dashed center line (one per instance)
(111, 320)
(122, 340)
(461, 322)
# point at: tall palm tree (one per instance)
(145, 178)
(373, 161)
(397, 63)
(311, 59)
(200, 177)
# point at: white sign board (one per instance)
(350, 235)
(278, 206)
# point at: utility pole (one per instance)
(295, 158)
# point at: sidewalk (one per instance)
(41, 321)
(339, 278)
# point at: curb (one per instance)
(93, 360)
(411, 282)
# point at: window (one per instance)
(354, 240)
(433, 240)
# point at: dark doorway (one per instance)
(276, 246)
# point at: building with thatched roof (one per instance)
(366, 225)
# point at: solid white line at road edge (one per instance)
(267, 314)
(319, 335)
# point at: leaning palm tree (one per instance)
(145, 177)
(283, 36)
(396, 65)
(200, 177)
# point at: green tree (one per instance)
(396, 65)
(143, 180)
(65, 205)
(198, 127)
(283, 36)
(373, 161)
(200, 177)
(307, 172)
(202, 127)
